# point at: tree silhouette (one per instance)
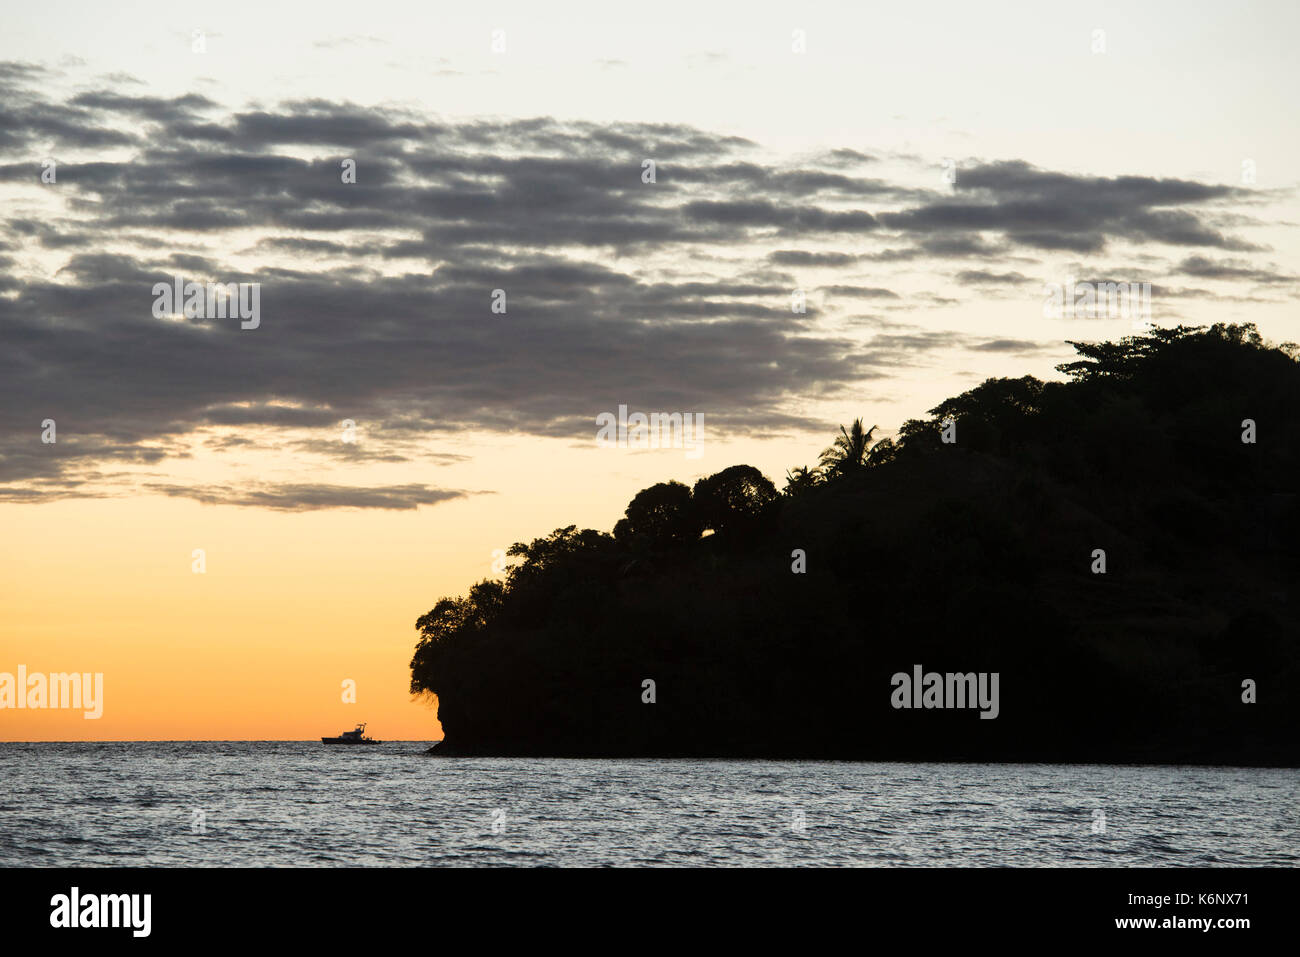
(848, 453)
(662, 515)
(971, 557)
(882, 452)
(801, 479)
(735, 498)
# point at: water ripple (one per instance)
(300, 803)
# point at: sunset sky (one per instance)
(796, 147)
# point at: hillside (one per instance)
(975, 555)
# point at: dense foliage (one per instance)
(975, 555)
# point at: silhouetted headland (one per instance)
(1107, 563)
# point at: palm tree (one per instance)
(801, 478)
(849, 452)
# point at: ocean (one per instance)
(300, 803)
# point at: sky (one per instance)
(231, 524)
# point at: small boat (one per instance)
(352, 737)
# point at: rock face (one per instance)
(1110, 547)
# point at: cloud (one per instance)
(861, 292)
(1047, 210)
(1011, 345)
(157, 109)
(983, 277)
(376, 296)
(1230, 269)
(799, 257)
(764, 213)
(291, 497)
(847, 157)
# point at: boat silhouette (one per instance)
(352, 737)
